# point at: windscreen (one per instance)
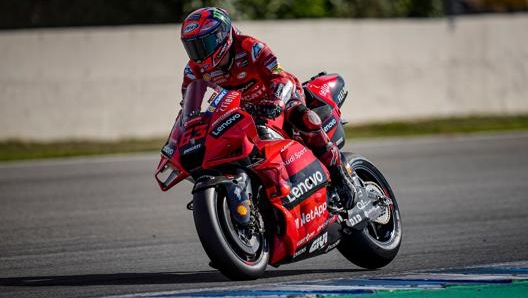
(201, 97)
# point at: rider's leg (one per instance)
(309, 125)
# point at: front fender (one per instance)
(207, 181)
(238, 192)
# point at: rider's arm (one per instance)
(188, 76)
(282, 84)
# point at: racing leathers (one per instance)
(269, 91)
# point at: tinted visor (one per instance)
(202, 47)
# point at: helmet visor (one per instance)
(199, 48)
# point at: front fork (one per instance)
(238, 192)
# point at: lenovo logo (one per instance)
(330, 125)
(226, 124)
(305, 186)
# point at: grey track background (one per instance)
(100, 226)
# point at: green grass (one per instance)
(19, 150)
(439, 126)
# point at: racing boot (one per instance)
(344, 186)
(309, 126)
(342, 180)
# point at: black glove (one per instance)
(270, 109)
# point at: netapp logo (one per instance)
(316, 212)
(305, 186)
(220, 129)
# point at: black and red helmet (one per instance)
(206, 36)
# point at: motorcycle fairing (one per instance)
(326, 89)
(229, 125)
(169, 172)
(294, 180)
(327, 239)
(209, 115)
(331, 124)
(236, 132)
(325, 93)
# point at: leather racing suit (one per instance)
(255, 71)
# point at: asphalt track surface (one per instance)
(94, 227)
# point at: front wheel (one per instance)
(239, 252)
(378, 243)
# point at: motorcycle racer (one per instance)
(221, 54)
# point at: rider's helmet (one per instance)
(206, 36)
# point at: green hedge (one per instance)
(59, 13)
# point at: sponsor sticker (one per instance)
(305, 239)
(188, 73)
(319, 243)
(255, 51)
(305, 183)
(191, 148)
(277, 69)
(315, 213)
(241, 55)
(215, 100)
(295, 156)
(325, 89)
(272, 64)
(189, 28)
(331, 124)
(194, 17)
(207, 26)
(229, 122)
(224, 105)
(168, 150)
(300, 252)
(342, 95)
(241, 75)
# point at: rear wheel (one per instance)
(379, 242)
(239, 252)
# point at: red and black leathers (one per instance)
(255, 71)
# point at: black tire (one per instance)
(235, 258)
(377, 244)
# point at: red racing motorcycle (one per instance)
(261, 197)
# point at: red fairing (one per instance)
(321, 88)
(169, 163)
(290, 163)
(231, 134)
(212, 130)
